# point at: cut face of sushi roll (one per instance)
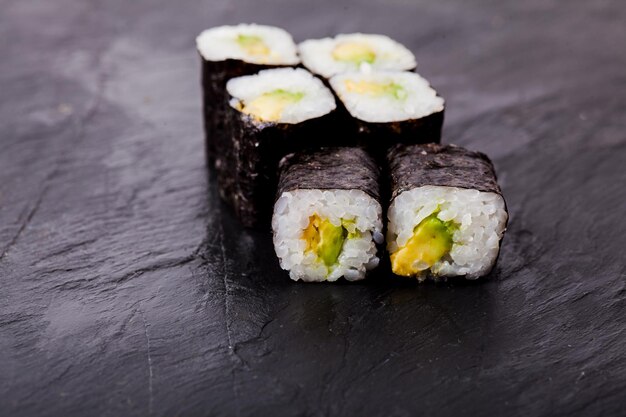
(354, 52)
(385, 97)
(325, 225)
(269, 115)
(281, 96)
(324, 235)
(447, 216)
(232, 51)
(257, 44)
(445, 231)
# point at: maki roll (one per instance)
(390, 107)
(269, 114)
(354, 52)
(327, 218)
(447, 215)
(232, 51)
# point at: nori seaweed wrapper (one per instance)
(379, 137)
(412, 166)
(247, 174)
(215, 74)
(330, 169)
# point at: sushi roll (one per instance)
(327, 218)
(233, 51)
(447, 215)
(354, 52)
(269, 114)
(389, 107)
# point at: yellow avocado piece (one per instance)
(324, 239)
(253, 45)
(270, 106)
(375, 89)
(431, 241)
(356, 52)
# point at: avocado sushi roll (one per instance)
(447, 215)
(269, 114)
(232, 51)
(327, 217)
(389, 107)
(354, 52)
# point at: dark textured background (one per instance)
(126, 288)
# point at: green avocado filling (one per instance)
(324, 239)
(355, 52)
(396, 90)
(270, 106)
(253, 45)
(431, 241)
(376, 89)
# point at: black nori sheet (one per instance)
(379, 137)
(247, 173)
(330, 169)
(215, 74)
(412, 166)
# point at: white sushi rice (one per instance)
(220, 43)
(316, 101)
(418, 98)
(317, 54)
(291, 217)
(481, 217)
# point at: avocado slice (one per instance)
(270, 106)
(253, 45)
(375, 89)
(324, 239)
(431, 241)
(356, 52)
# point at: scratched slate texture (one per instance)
(127, 288)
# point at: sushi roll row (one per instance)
(259, 108)
(232, 51)
(321, 152)
(446, 214)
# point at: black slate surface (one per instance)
(126, 288)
